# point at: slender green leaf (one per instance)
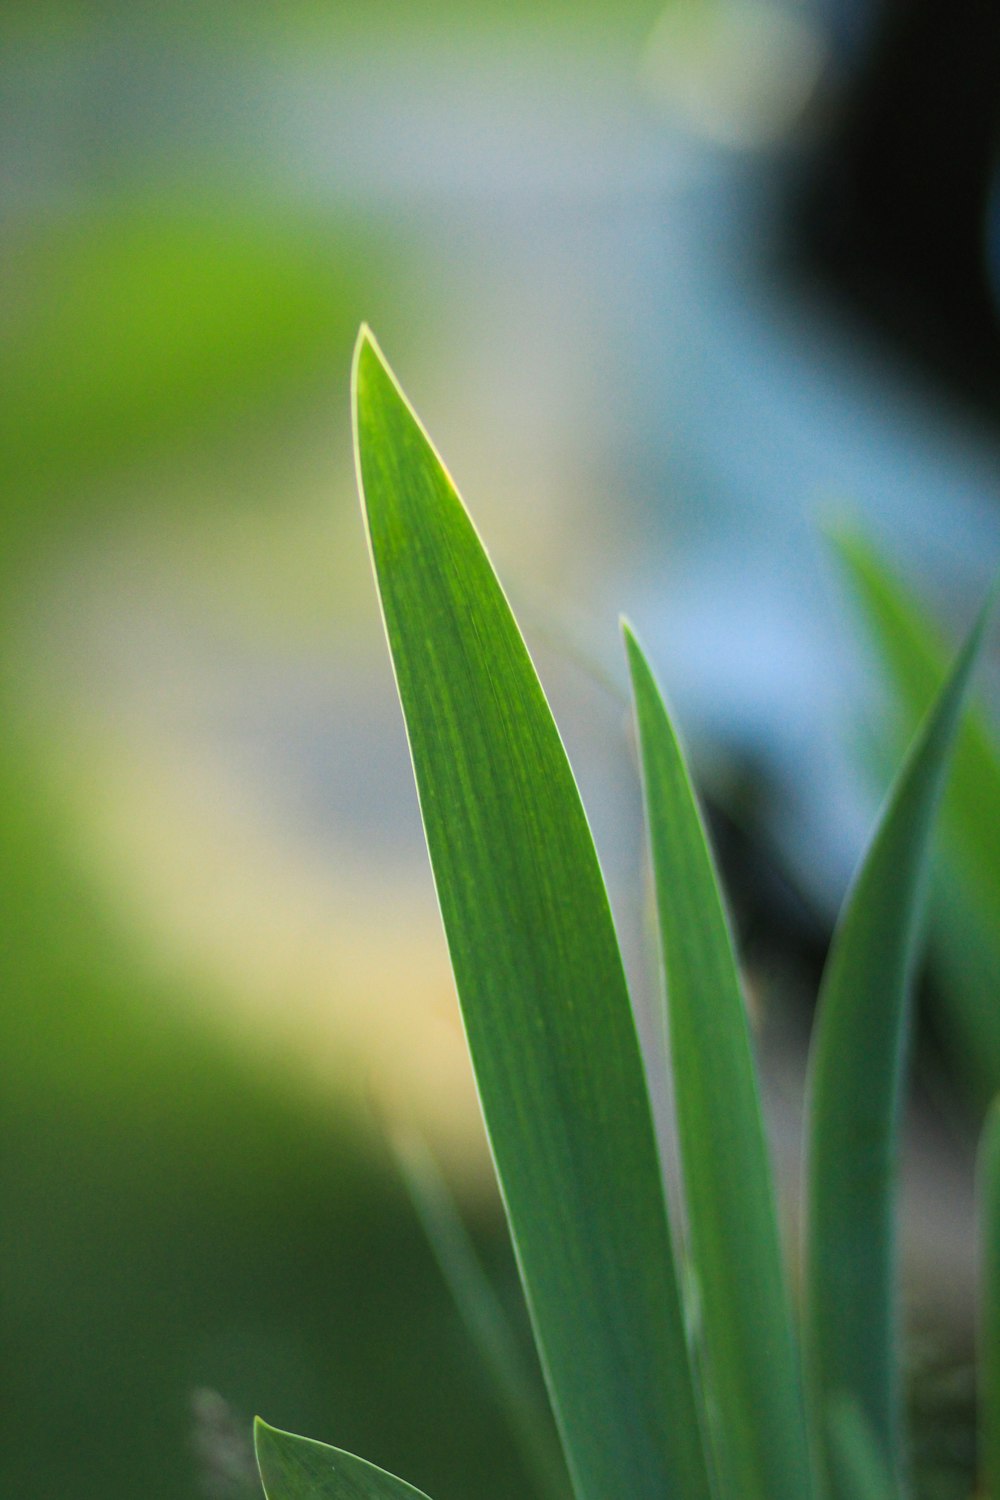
(517, 1387)
(855, 1083)
(296, 1468)
(750, 1350)
(538, 972)
(966, 928)
(859, 1463)
(989, 1330)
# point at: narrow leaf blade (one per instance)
(967, 902)
(856, 1067)
(538, 972)
(296, 1468)
(989, 1325)
(750, 1349)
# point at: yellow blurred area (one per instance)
(223, 970)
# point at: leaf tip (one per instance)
(367, 357)
(373, 379)
(365, 346)
(974, 640)
(840, 523)
(262, 1441)
(629, 636)
(637, 660)
(364, 338)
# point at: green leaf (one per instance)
(856, 1067)
(966, 927)
(989, 1330)
(539, 975)
(296, 1468)
(750, 1350)
(517, 1386)
(859, 1463)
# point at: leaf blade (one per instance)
(966, 930)
(297, 1468)
(538, 972)
(746, 1310)
(855, 1072)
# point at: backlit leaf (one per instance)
(966, 925)
(539, 975)
(751, 1358)
(856, 1068)
(296, 1468)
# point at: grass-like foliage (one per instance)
(650, 1404)
(966, 899)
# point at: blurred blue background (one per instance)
(674, 289)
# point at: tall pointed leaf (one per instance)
(989, 1325)
(967, 901)
(538, 972)
(750, 1350)
(296, 1468)
(855, 1076)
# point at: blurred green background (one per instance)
(587, 238)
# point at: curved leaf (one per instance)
(751, 1356)
(856, 1068)
(296, 1468)
(538, 971)
(967, 902)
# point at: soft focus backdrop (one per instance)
(675, 290)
